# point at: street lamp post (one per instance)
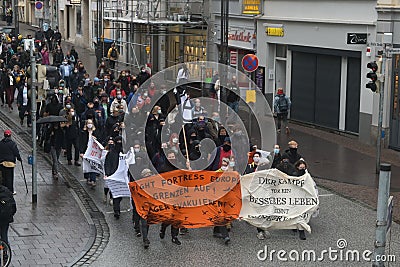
(15, 16)
(33, 103)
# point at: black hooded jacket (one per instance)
(9, 150)
(6, 194)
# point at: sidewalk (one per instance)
(54, 231)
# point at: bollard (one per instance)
(381, 213)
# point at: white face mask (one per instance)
(68, 106)
(256, 159)
(159, 111)
(145, 94)
(164, 92)
(90, 126)
(175, 140)
(197, 104)
(136, 150)
(224, 168)
(72, 113)
(232, 163)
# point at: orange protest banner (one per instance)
(190, 199)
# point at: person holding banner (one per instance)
(170, 165)
(111, 165)
(88, 130)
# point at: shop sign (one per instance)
(233, 58)
(75, 2)
(252, 7)
(241, 37)
(275, 31)
(356, 38)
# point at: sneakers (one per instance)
(260, 235)
(138, 233)
(146, 243)
(263, 235)
(55, 176)
(176, 241)
(111, 202)
(227, 240)
(14, 193)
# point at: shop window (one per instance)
(281, 51)
(78, 20)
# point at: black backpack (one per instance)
(114, 53)
(7, 208)
(282, 104)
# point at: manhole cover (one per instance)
(25, 229)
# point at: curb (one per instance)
(94, 217)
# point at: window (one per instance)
(78, 20)
(281, 51)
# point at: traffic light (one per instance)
(373, 76)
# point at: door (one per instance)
(353, 94)
(315, 91)
(394, 141)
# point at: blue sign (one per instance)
(250, 62)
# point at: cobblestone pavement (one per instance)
(52, 232)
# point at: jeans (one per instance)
(234, 106)
(174, 231)
(4, 232)
(144, 228)
(117, 204)
(55, 155)
(69, 144)
(135, 217)
(282, 118)
(8, 177)
(91, 176)
(22, 111)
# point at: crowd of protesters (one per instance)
(98, 106)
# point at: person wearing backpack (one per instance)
(8, 208)
(281, 108)
(112, 55)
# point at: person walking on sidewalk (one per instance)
(282, 106)
(112, 55)
(8, 208)
(9, 153)
(24, 105)
(72, 137)
(88, 130)
(111, 163)
(291, 153)
(55, 139)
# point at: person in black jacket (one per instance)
(55, 136)
(72, 137)
(24, 105)
(110, 167)
(292, 153)
(7, 196)
(8, 154)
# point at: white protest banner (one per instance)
(92, 159)
(273, 200)
(118, 181)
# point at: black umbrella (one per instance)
(51, 119)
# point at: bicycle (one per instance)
(5, 254)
